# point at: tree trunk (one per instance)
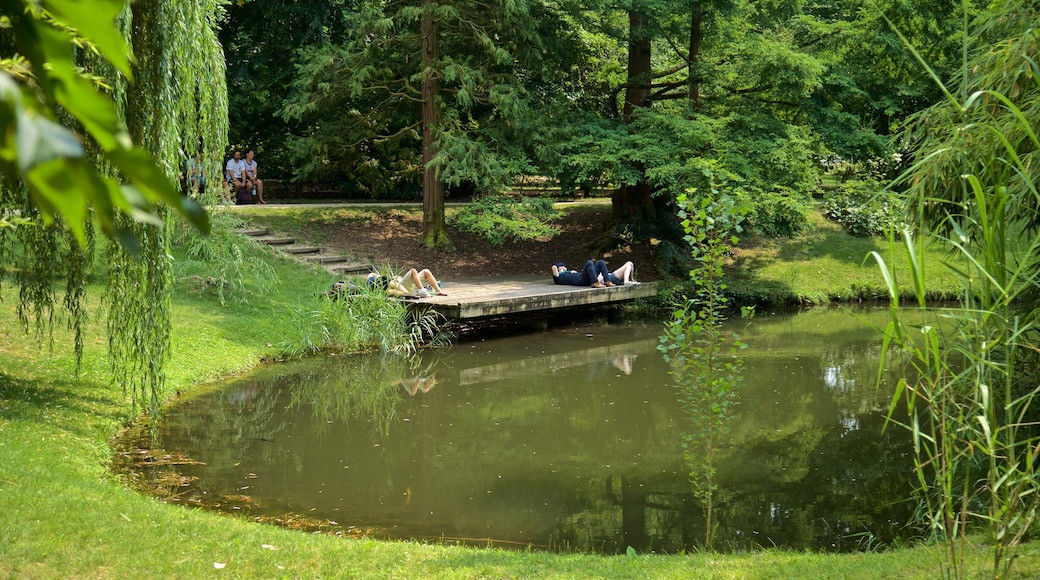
(695, 49)
(435, 233)
(640, 70)
(632, 202)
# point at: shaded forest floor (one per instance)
(390, 237)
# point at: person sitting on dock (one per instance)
(422, 282)
(594, 274)
(623, 275)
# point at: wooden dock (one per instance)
(494, 296)
(476, 299)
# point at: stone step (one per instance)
(298, 250)
(355, 268)
(329, 259)
(270, 241)
(255, 232)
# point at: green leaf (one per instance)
(96, 20)
(40, 140)
(54, 189)
(92, 109)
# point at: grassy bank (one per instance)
(63, 515)
(824, 265)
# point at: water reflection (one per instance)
(563, 440)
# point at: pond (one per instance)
(563, 440)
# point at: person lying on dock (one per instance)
(594, 274)
(419, 281)
(623, 275)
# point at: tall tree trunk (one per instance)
(695, 50)
(637, 91)
(435, 233)
(632, 202)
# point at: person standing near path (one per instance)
(194, 178)
(235, 171)
(252, 176)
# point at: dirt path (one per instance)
(392, 238)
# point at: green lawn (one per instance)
(827, 265)
(62, 514)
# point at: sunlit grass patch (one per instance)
(823, 265)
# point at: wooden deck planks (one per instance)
(504, 296)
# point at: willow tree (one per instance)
(82, 83)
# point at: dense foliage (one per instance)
(864, 208)
(971, 398)
(260, 41)
(101, 101)
(499, 218)
(643, 97)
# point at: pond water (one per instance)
(565, 440)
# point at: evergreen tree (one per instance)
(423, 91)
(262, 41)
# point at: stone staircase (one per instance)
(335, 264)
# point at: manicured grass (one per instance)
(62, 514)
(826, 265)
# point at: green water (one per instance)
(564, 440)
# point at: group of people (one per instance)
(595, 274)
(243, 176)
(423, 284)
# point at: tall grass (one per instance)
(976, 443)
(364, 320)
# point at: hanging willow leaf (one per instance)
(93, 20)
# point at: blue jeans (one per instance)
(593, 270)
(586, 276)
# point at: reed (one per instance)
(975, 437)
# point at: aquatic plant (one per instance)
(365, 320)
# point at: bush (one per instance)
(777, 215)
(863, 208)
(501, 217)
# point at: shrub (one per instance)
(863, 208)
(501, 217)
(777, 215)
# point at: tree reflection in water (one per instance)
(544, 440)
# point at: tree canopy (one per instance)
(650, 98)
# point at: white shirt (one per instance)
(249, 167)
(235, 168)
